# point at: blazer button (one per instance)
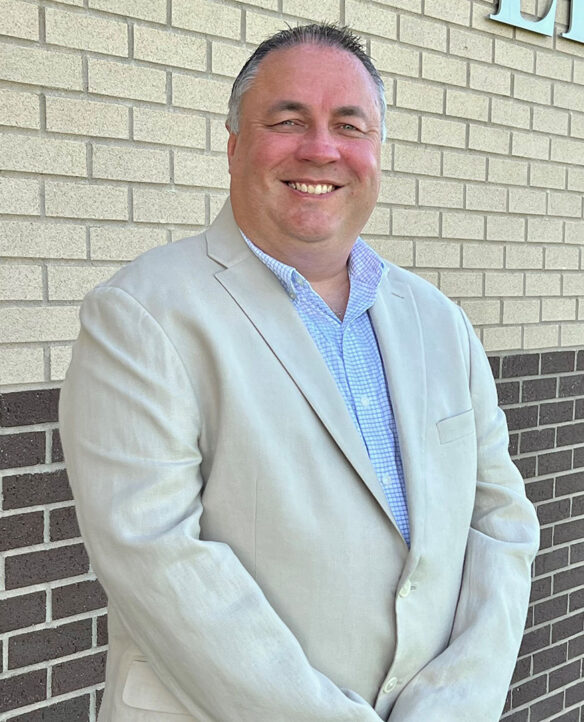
(406, 589)
(389, 685)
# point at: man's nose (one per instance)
(319, 146)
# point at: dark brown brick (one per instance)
(78, 673)
(77, 598)
(550, 657)
(556, 412)
(63, 524)
(542, 490)
(577, 600)
(540, 589)
(580, 361)
(576, 647)
(44, 644)
(25, 490)
(570, 531)
(526, 466)
(56, 448)
(571, 386)
(577, 553)
(542, 711)
(522, 670)
(545, 538)
(554, 511)
(569, 579)
(508, 392)
(553, 462)
(24, 408)
(558, 362)
(21, 530)
(551, 609)
(570, 483)
(521, 417)
(571, 435)
(579, 409)
(519, 716)
(568, 627)
(550, 561)
(22, 570)
(537, 440)
(23, 689)
(25, 449)
(520, 365)
(495, 364)
(572, 716)
(513, 444)
(22, 611)
(564, 675)
(98, 698)
(535, 641)
(528, 691)
(71, 710)
(102, 630)
(539, 389)
(579, 457)
(574, 694)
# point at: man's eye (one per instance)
(348, 126)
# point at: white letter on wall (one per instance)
(510, 14)
(576, 31)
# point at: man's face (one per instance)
(305, 164)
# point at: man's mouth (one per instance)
(313, 189)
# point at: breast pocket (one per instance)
(144, 691)
(455, 427)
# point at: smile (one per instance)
(315, 190)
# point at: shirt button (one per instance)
(292, 295)
(365, 401)
(389, 685)
(406, 589)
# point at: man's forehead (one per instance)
(295, 106)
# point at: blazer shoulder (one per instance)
(423, 292)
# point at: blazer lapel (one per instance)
(399, 335)
(261, 297)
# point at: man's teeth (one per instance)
(315, 190)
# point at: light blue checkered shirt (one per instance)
(349, 348)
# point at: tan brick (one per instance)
(228, 59)
(505, 228)
(395, 58)
(458, 284)
(482, 255)
(416, 159)
(462, 225)
(546, 175)
(78, 3)
(387, 156)
(109, 77)
(510, 112)
(87, 117)
(550, 120)
(19, 109)
(413, 5)
(464, 165)
(60, 358)
(325, 10)
(444, 69)
(541, 336)
(206, 16)
(378, 222)
(574, 232)
(36, 66)
(438, 131)
(369, 18)
(418, 96)
(168, 47)
(568, 96)
(562, 257)
(543, 284)
(573, 284)
(481, 21)
(398, 190)
(482, 311)
(154, 10)
(219, 135)
(415, 222)
(36, 239)
(523, 256)
(534, 90)
(553, 65)
(24, 324)
(22, 365)
(572, 334)
(115, 243)
(402, 125)
(124, 162)
(72, 283)
(530, 145)
(35, 154)
(505, 338)
(464, 104)
(545, 230)
(506, 283)
(454, 11)
(576, 179)
(83, 200)
(578, 70)
(19, 19)
(558, 309)
(20, 196)
(200, 93)
(437, 254)
(169, 127)
(423, 33)
(441, 193)
(394, 250)
(486, 198)
(524, 37)
(565, 204)
(505, 170)
(577, 126)
(521, 310)
(470, 45)
(432, 277)
(513, 55)
(490, 140)
(86, 32)
(195, 169)
(260, 27)
(526, 200)
(216, 202)
(19, 282)
(490, 79)
(169, 206)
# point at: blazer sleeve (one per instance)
(129, 426)
(469, 680)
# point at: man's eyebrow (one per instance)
(292, 105)
(351, 111)
(297, 107)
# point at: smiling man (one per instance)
(290, 468)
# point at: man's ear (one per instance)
(231, 143)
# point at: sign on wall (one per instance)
(510, 14)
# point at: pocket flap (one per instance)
(143, 690)
(456, 426)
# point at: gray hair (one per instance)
(327, 34)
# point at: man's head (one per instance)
(305, 141)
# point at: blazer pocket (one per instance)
(455, 427)
(143, 690)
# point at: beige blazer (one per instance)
(253, 568)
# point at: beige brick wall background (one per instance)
(113, 141)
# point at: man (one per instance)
(291, 471)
